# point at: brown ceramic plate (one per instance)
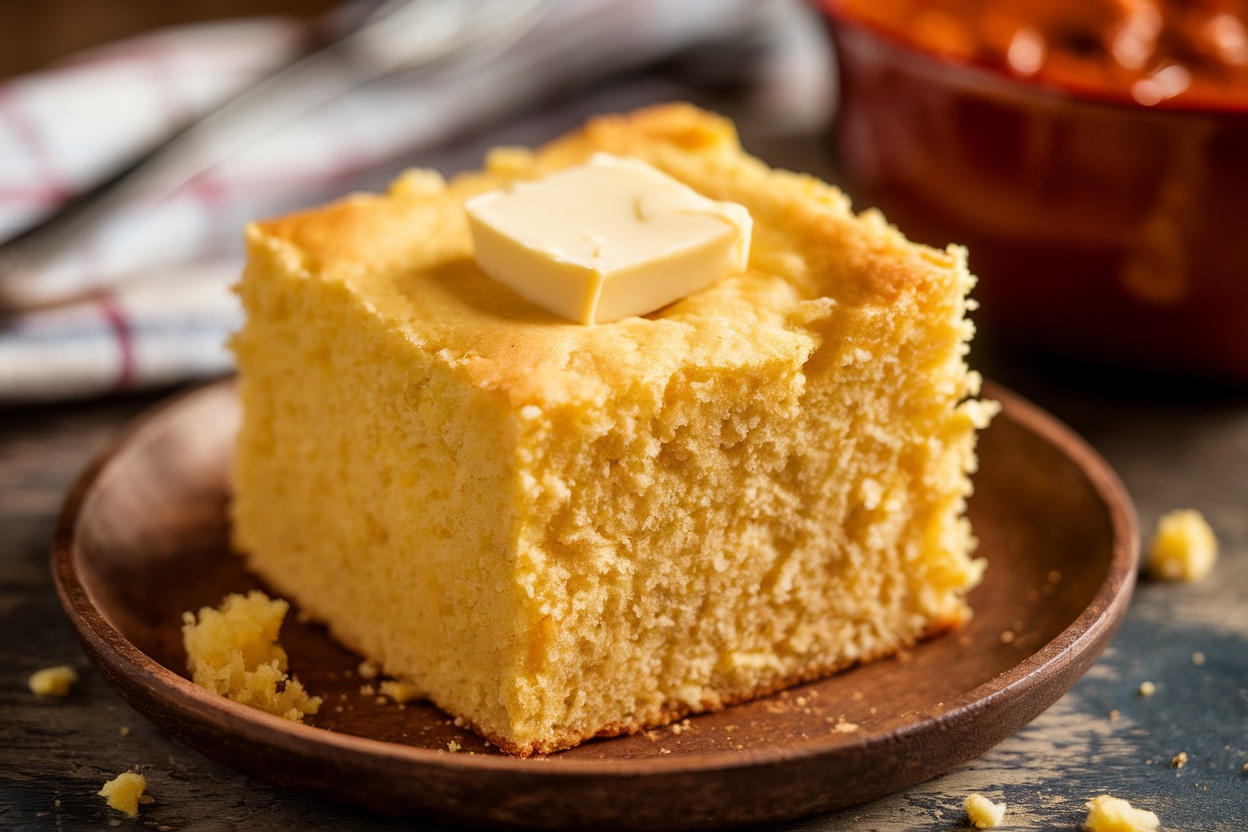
(143, 537)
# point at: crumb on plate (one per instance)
(400, 691)
(233, 651)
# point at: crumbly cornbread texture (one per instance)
(125, 792)
(233, 651)
(1113, 814)
(1184, 547)
(982, 812)
(561, 531)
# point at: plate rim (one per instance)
(1063, 659)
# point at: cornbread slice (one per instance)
(562, 531)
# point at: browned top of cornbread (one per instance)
(410, 258)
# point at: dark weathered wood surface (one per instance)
(1174, 445)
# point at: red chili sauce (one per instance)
(1169, 53)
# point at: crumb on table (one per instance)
(1113, 814)
(1184, 547)
(982, 812)
(53, 681)
(125, 792)
(1147, 688)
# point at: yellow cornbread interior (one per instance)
(561, 531)
(233, 651)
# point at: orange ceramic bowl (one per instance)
(1099, 228)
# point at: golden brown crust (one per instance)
(364, 231)
(510, 345)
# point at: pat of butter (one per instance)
(607, 240)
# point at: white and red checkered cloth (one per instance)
(171, 312)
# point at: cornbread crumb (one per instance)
(1147, 688)
(1113, 715)
(681, 727)
(367, 670)
(452, 746)
(1113, 814)
(1179, 760)
(1184, 548)
(125, 792)
(53, 681)
(233, 651)
(1198, 659)
(401, 692)
(124, 730)
(983, 813)
(843, 727)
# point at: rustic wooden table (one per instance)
(1174, 445)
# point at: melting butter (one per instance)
(605, 240)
